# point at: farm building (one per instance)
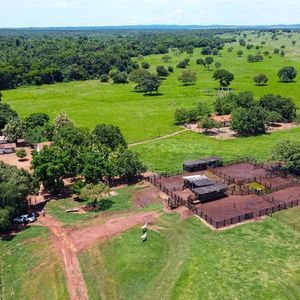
(204, 189)
(224, 120)
(202, 164)
(7, 148)
(3, 140)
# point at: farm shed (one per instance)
(224, 120)
(202, 164)
(3, 140)
(204, 188)
(7, 148)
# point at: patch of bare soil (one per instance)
(88, 236)
(13, 160)
(226, 133)
(146, 196)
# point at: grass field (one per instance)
(122, 201)
(186, 260)
(169, 154)
(143, 117)
(29, 267)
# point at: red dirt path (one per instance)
(69, 241)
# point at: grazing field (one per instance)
(168, 155)
(186, 260)
(29, 267)
(144, 117)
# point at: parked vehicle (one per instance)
(26, 218)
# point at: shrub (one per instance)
(287, 74)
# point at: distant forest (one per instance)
(36, 57)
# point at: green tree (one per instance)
(207, 123)
(260, 79)
(181, 116)
(63, 119)
(288, 153)
(14, 130)
(50, 167)
(284, 106)
(162, 71)
(94, 192)
(149, 84)
(36, 119)
(248, 121)
(287, 74)
(208, 61)
(224, 77)
(21, 153)
(188, 77)
(110, 136)
(128, 165)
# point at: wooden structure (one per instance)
(202, 164)
(204, 189)
(224, 120)
(7, 148)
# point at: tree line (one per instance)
(33, 58)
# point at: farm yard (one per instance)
(111, 234)
(147, 117)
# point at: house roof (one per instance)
(202, 161)
(218, 187)
(8, 146)
(221, 119)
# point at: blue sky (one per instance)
(31, 13)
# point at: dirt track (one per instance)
(69, 241)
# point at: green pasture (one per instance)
(186, 260)
(30, 268)
(167, 155)
(144, 117)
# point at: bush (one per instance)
(170, 69)
(145, 65)
(162, 71)
(287, 74)
(120, 77)
(260, 79)
(104, 78)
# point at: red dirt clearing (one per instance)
(146, 196)
(85, 237)
(233, 206)
(75, 282)
(69, 241)
(242, 170)
(286, 195)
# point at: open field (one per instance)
(29, 267)
(144, 117)
(168, 154)
(186, 260)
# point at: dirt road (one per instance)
(69, 241)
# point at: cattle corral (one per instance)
(241, 200)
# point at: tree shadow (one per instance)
(153, 95)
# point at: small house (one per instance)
(7, 148)
(224, 120)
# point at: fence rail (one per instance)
(175, 201)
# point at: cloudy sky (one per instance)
(31, 13)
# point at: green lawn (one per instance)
(186, 260)
(143, 117)
(29, 267)
(122, 201)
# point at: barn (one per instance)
(202, 164)
(204, 188)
